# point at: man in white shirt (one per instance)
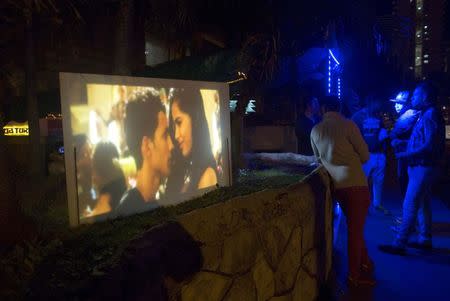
(339, 146)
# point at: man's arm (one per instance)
(313, 146)
(358, 142)
(430, 128)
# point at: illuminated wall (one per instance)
(135, 144)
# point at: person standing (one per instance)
(424, 153)
(375, 135)
(399, 136)
(338, 145)
(304, 124)
(401, 133)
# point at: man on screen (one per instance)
(149, 142)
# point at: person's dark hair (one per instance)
(102, 160)
(331, 103)
(141, 121)
(190, 101)
(111, 179)
(431, 91)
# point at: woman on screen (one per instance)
(107, 178)
(194, 159)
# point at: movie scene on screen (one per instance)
(138, 148)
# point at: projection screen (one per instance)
(135, 144)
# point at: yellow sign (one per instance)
(16, 129)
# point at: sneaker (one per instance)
(392, 249)
(398, 220)
(396, 228)
(423, 246)
(362, 281)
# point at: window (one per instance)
(425, 61)
(419, 5)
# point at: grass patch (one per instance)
(67, 258)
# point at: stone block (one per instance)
(282, 298)
(212, 256)
(239, 252)
(306, 287)
(204, 224)
(264, 279)
(286, 272)
(243, 288)
(275, 236)
(309, 239)
(310, 262)
(206, 286)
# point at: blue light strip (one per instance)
(339, 88)
(334, 58)
(329, 74)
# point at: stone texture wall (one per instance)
(271, 245)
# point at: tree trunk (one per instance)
(124, 38)
(36, 168)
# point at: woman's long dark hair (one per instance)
(190, 101)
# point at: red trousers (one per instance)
(354, 202)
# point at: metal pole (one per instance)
(76, 183)
(229, 163)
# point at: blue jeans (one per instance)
(417, 204)
(374, 170)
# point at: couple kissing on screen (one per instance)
(175, 150)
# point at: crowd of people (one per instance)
(168, 147)
(353, 151)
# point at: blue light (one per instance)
(233, 105)
(250, 107)
(329, 74)
(334, 58)
(339, 88)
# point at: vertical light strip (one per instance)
(329, 73)
(339, 87)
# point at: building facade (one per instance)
(422, 52)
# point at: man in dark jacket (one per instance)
(424, 154)
(304, 124)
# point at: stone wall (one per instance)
(271, 245)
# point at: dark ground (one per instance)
(417, 276)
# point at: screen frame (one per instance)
(74, 85)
